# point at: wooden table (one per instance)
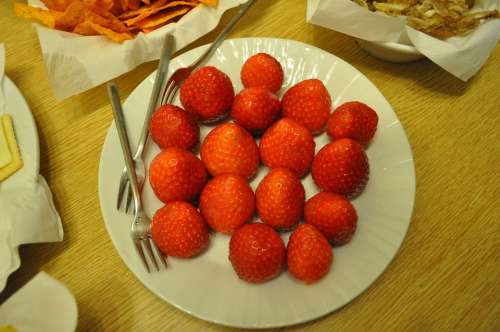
(447, 274)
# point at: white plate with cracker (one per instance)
(25, 132)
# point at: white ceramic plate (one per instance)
(26, 133)
(207, 286)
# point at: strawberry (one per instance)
(280, 199)
(207, 94)
(308, 103)
(309, 255)
(256, 252)
(333, 215)
(176, 174)
(341, 167)
(179, 230)
(353, 120)
(287, 144)
(262, 70)
(255, 109)
(230, 149)
(227, 202)
(172, 127)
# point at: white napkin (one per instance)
(77, 63)
(461, 56)
(43, 304)
(27, 212)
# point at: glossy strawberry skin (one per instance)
(172, 127)
(353, 120)
(308, 103)
(176, 174)
(262, 70)
(207, 94)
(257, 253)
(287, 144)
(255, 109)
(309, 255)
(179, 230)
(333, 215)
(341, 167)
(280, 199)
(227, 202)
(230, 149)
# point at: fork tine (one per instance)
(121, 188)
(147, 245)
(172, 94)
(158, 253)
(166, 92)
(138, 248)
(129, 198)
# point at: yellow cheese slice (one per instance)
(16, 162)
(5, 155)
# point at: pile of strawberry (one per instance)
(231, 156)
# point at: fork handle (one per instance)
(125, 144)
(220, 38)
(158, 86)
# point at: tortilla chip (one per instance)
(162, 17)
(72, 16)
(99, 5)
(85, 29)
(124, 4)
(39, 15)
(147, 2)
(118, 37)
(134, 4)
(211, 3)
(58, 5)
(107, 20)
(156, 7)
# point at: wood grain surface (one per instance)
(446, 276)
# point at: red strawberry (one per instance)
(309, 255)
(341, 167)
(207, 94)
(262, 70)
(256, 252)
(227, 202)
(333, 215)
(308, 103)
(179, 230)
(230, 149)
(280, 199)
(353, 120)
(255, 109)
(176, 174)
(287, 144)
(172, 127)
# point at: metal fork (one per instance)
(154, 103)
(169, 92)
(141, 225)
(175, 81)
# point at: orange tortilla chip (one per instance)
(147, 2)
(118, 37)
(85, 29)
(99, 5)
(163, 17)
(211, 3)
(155, 8)
(72, 16)
(58, 5)
(134, 4)
(39, 15)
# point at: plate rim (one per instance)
(412, 188)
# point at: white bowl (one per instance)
(393, 52)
